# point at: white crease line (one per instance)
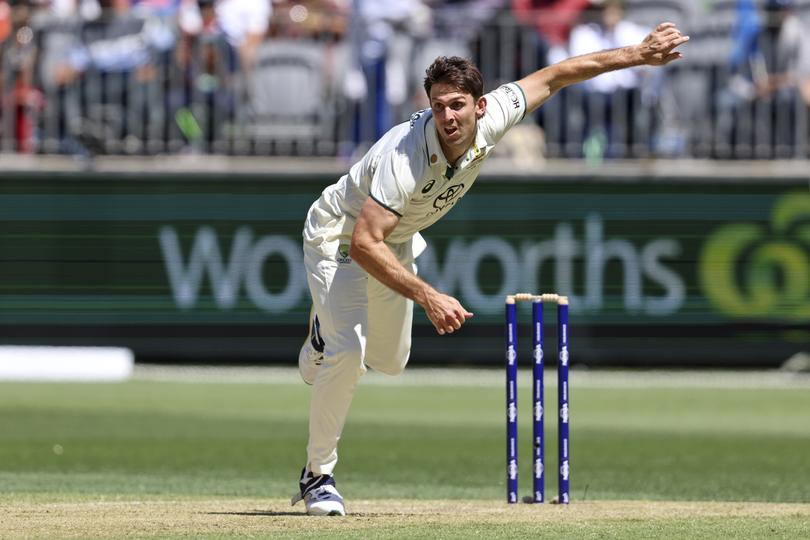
(489, 378)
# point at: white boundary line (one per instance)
(45, 363)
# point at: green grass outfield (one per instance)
(235, 439)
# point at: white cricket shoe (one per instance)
(320, 495)
(310, 357)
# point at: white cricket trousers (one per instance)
(362, 323)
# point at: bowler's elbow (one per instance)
(361, 246)
(356, 251)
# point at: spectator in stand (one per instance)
(604, 27)
(770, 67)
(117, 41)
(158, 8)
(745, 68)
(5, 21)
(745, 35)
(474, 13)
(382, 37)
(609, 98)
(113, 58)
(553, 20)
(323, 20)
(243, 24)
(220, 44)
(20, 100)
(64, 8)
(787, 53)
(786, 48)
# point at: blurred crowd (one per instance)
(327, 77)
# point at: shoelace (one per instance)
(316, 357)
(323, 493)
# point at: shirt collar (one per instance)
(476, 152)
(436, 156)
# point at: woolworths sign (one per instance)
(761, 270)
(745, 269)
(658, 272)
(481, 271)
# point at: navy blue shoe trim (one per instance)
(310, 482)
(316, 340)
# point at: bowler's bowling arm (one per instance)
(368, 249)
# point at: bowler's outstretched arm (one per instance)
(657, 49)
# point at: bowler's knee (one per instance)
(390, 365)
(346, 356)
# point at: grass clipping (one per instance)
(252, 518)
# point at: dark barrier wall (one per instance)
(208, 268)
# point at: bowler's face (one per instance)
(455, 113)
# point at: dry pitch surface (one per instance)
(259, 518)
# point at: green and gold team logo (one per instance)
(751, 270)
(343, 254)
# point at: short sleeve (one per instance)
(506, 107)
(393, 182)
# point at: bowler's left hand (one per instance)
(657, 47)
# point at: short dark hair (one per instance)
(455, 71)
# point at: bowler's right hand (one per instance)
(445, 312)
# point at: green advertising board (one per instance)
(209, 268)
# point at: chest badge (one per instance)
(448, 197)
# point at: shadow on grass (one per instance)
(272, 513)
(256, 513)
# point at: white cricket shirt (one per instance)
(406, 172)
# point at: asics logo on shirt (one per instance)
(428, 186)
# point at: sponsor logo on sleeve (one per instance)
(512, 95)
